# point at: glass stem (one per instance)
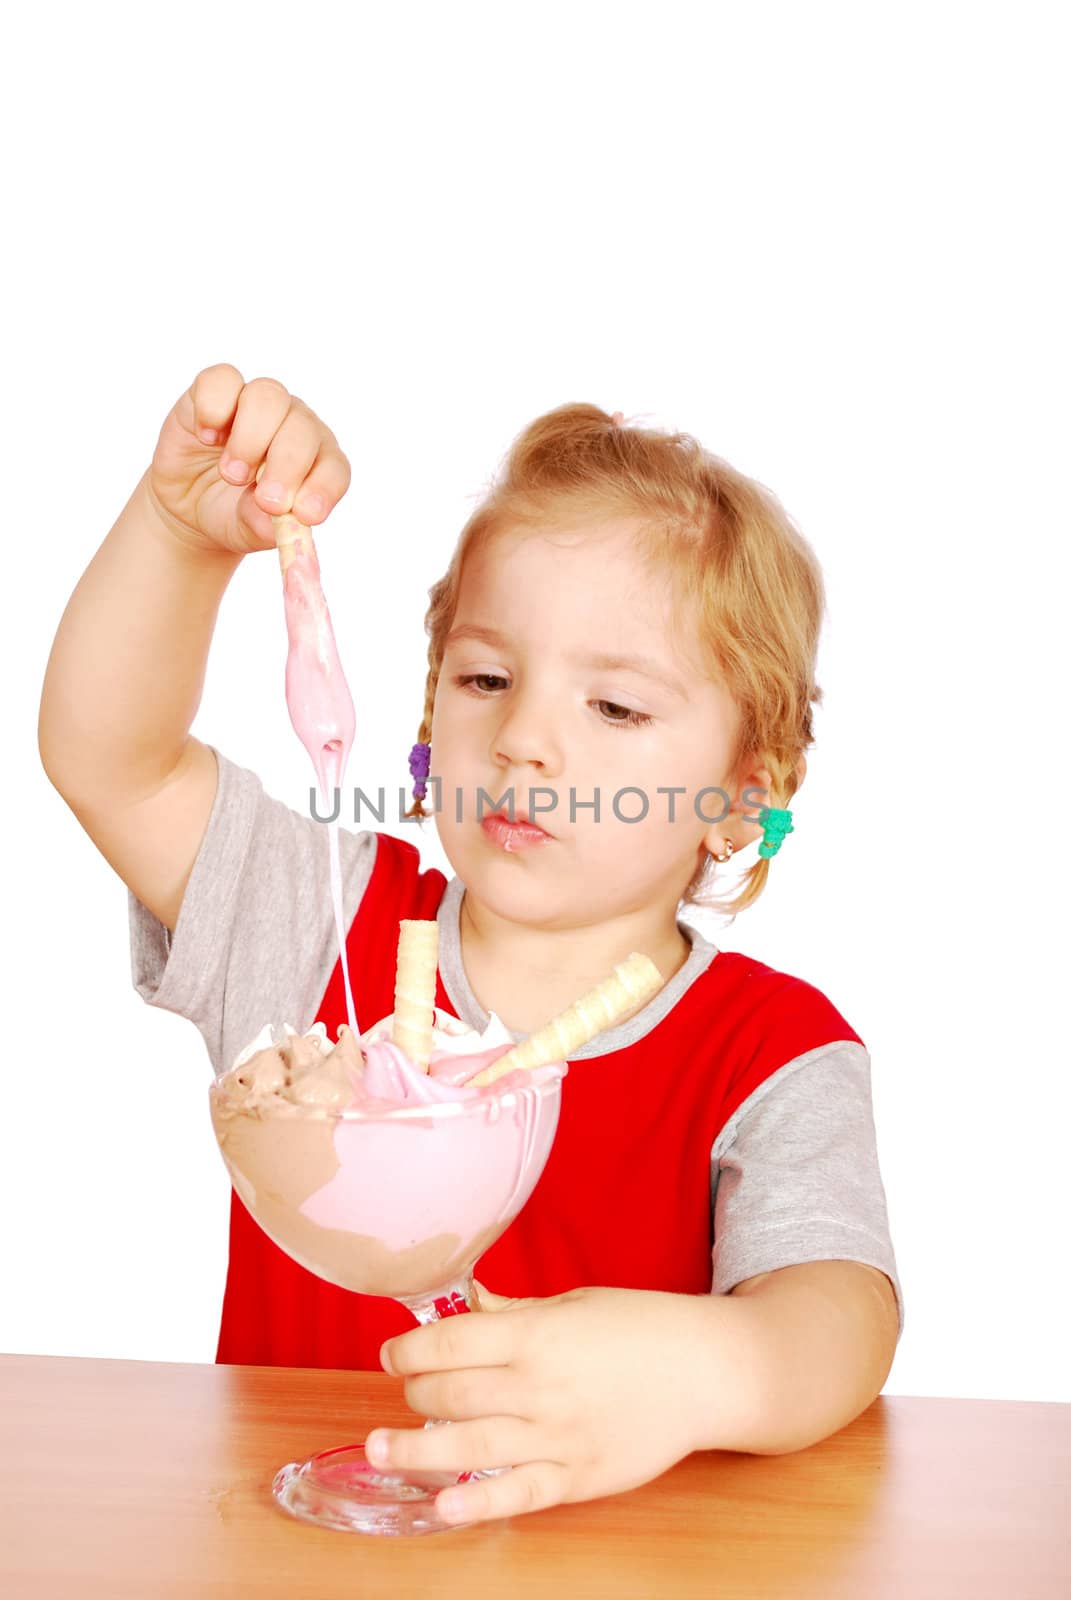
(450, 1301)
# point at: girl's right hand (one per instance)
(196, 486)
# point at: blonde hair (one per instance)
(742, 572)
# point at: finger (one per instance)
(323, 487)
(311, 488)
(290, 457)
(262, 407)
(468, 1392)
(486, 1300)
(492, 1441)
(476, 1340)
(531, 1487)
(209, 403)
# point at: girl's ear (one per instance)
(741, 825)
(756, 788)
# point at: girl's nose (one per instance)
(527, 735)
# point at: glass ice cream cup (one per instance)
(398, 1200)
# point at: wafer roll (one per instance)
(291, 539)
(630, 983)
(414, 990)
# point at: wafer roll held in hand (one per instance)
(293, 538)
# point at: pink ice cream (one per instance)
(317, 694)
(373, 1174)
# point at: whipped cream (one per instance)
(270, 1036)
(449, 1035)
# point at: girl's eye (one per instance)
(627, 718)
(479, 677)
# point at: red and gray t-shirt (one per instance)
(723, 1131)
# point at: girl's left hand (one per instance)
(582, 1394)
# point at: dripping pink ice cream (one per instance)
(317, 694)
(371, 1173)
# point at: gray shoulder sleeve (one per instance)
(795, 1175)
(255, 940)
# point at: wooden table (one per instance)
(149, 1479)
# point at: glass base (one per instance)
(342, 1489)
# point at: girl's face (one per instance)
(543, 690)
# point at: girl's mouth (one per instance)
(513, 836)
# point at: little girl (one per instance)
(621, 661)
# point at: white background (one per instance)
(825, 240)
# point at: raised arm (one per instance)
(126, 671)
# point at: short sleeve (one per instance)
(795, 1174)
(255, 939)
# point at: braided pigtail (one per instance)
(420, 755)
